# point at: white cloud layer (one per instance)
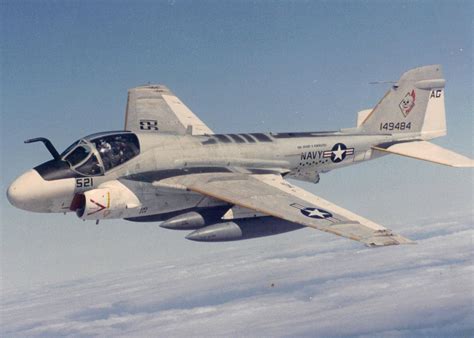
(321, 286)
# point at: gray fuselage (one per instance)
(301, 156)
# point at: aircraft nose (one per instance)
(24, 192)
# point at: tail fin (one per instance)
(414, 105)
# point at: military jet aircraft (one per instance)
(168, 166)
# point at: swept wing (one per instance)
(270, 194)
(154, 108)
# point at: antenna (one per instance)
(382, 82)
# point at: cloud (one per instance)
(321, 286)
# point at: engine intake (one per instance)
(110, 200)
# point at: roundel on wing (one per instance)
(316, 213)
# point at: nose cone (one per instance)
(26, 192)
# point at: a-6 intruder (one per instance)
(167, 165)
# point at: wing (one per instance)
(154, 108)
(270, 194)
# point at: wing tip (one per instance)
(469, 164)
(386, 238)
(150, 86)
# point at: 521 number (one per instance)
(395, 126)
(85, 182)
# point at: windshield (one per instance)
(78, 155)
(98, 153)
(82, 159)
(91, 167)
(71, 147)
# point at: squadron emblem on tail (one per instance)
(408, 103)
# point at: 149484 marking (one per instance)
(395, 126)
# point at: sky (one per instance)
(241, 66)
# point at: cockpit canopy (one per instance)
(95, 154)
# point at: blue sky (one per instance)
(241, 66)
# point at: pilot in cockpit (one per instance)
(105, 150)
(104, 147)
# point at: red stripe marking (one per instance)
(101, 207)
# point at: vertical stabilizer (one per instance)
(414, 105)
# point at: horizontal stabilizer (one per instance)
(427, 151)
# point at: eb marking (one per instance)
(148, 125)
